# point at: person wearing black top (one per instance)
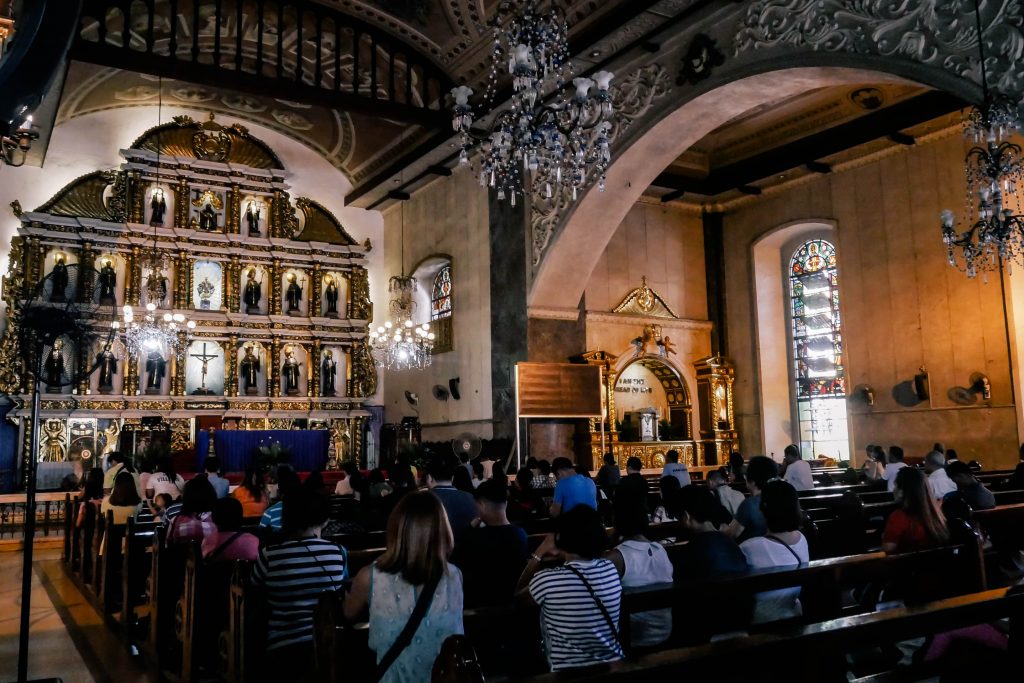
(633, 484)
(609, 475)
(970, 489)
(492, 553)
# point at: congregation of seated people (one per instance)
(550, 540)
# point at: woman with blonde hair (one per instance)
(412, 593)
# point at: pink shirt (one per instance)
(245, 547)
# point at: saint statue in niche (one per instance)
(205, 290)
(108, 283)
(290, 372)
(253, 292)
(156, 288)
(208, 218)
(156, 368)
(250, 371)
(329, 373)
(331, 296)
(53, 368)
(107, 363)
(252, 217)
(157, 206)
(294, 294)
(59, 279)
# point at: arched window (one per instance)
(818, 351)
(441, 294)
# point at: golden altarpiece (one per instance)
(198, 221)
(715, 437)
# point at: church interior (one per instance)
(548, 244)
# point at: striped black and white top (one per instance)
(296, 573)
(576, 633)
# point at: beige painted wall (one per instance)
(449, 216)
(903, 306)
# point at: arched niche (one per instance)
(206, 286)
(158, 285)
(262, 355)
(204, 369)
(255, 215)
(261, 277)
(337, 278)
(668, 393)
(120, 356)
(302, 362)
(341, 369)
(155, 370)
(159, 205)
(301, 279)
(117, 263)
(70, 291)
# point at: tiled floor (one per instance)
(68, 637)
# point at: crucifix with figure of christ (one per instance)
(205, 359)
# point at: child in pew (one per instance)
(783, 546)
(124, 500)
(229, 543)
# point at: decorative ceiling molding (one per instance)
(630, 320)
(936, 33)
(645, 301)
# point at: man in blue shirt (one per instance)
(459, 505)
(219, 483)
(572, 489)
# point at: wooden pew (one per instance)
(135, 572)
(246, 637)
(812, 653)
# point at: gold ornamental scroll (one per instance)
(566, 390)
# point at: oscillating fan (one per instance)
(54, 325)
(467, 444)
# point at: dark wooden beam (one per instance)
(399, 195)
(651, 46)
(884, 123)
(818, 167)
(672, 196)
(902, 139)
(749, 189)
(440, 171)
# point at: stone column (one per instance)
(132, 277)
(316, 285)
(314, 375)
(274, 367)
(231, 365)
(275, 287)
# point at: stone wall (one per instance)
(903, 307)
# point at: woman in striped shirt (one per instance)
(296, 573)
(579, 601)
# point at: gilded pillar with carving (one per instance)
(718, 435)
(357, 441)
(231, 289)
(234, 210)
(315, 362)
(34, 270)
(14, 280)
(274, 363)
(136, 197)
(178, 364)
(86, 272)
(132, 277)
(231, 365)
(275, 287)
(130, 386)
(274, 214)
(181, 200)
(314, 293)
(182, 280)
(359, 305)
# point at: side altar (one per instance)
(197, 224)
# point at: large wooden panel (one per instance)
(558, 390)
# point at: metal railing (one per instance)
(50, 511)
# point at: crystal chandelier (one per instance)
(536, 146)
(151, 334)
(401, 344)
(994, 232)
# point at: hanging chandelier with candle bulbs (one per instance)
(546, 141)
(401, 344)
(993, 232)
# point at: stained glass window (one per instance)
(441, 294)
(818, 351)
